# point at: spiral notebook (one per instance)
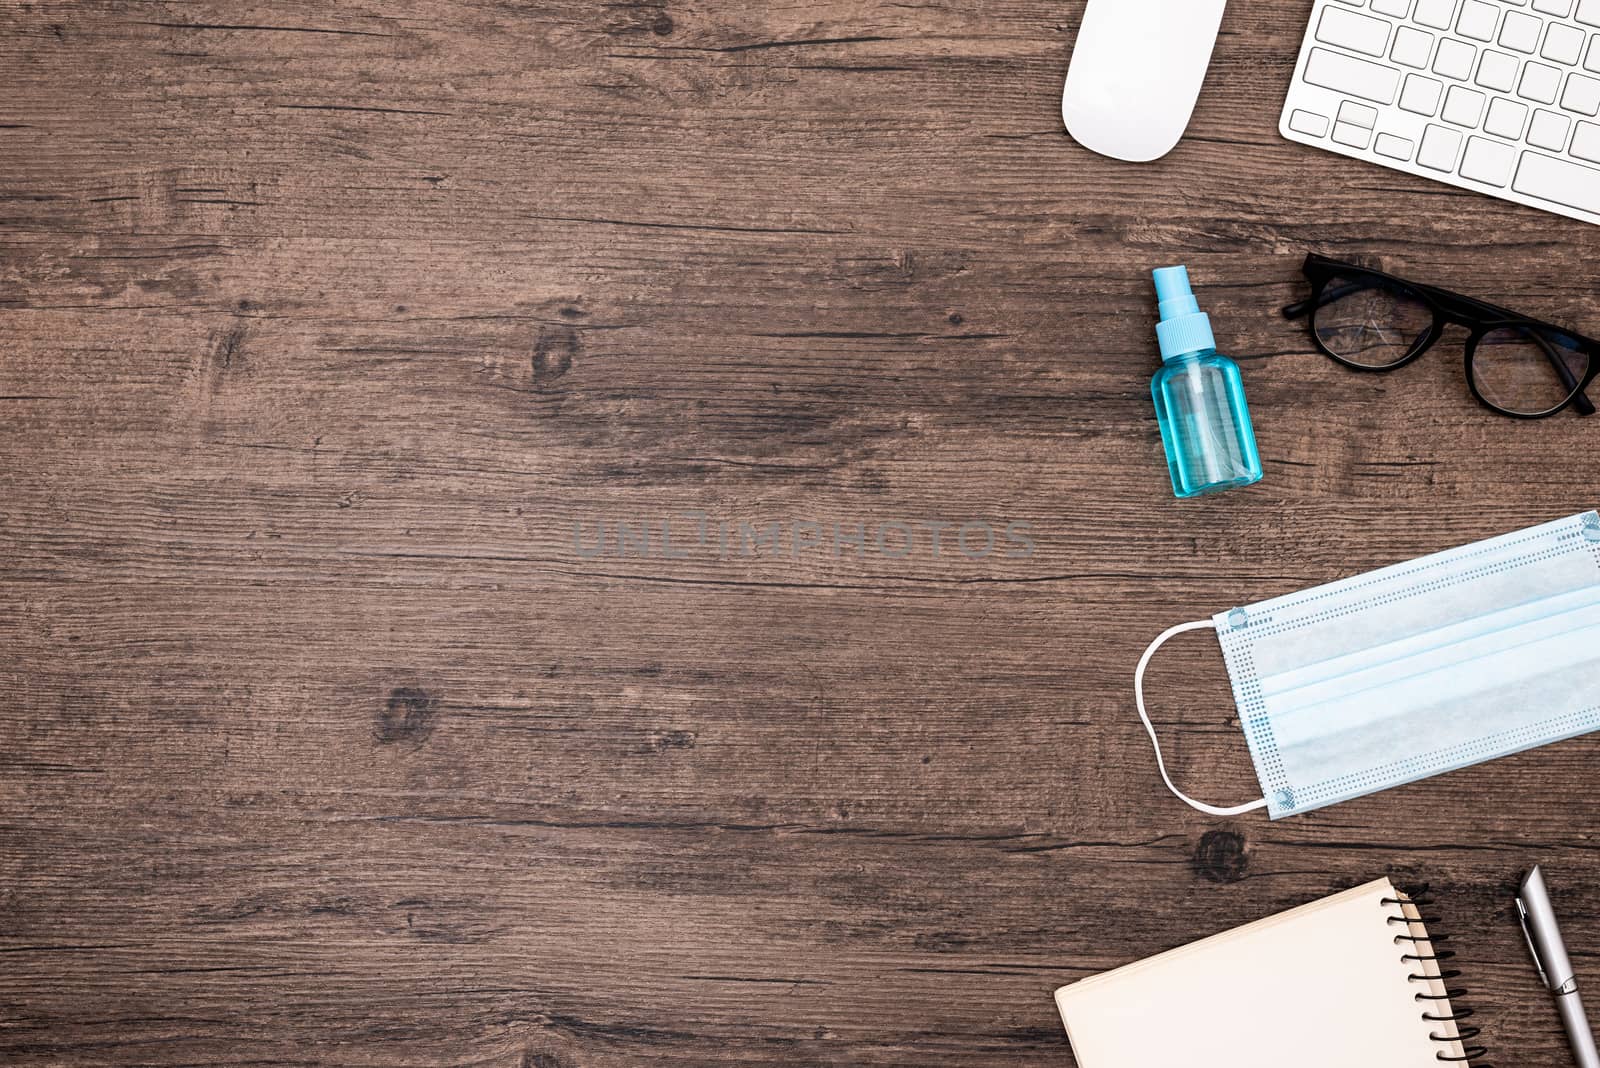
(1353, 979)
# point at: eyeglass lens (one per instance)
(1365, 322)
(1525, 371)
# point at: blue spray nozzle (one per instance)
(1183, 328)
(1174, 292)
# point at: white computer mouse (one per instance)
(1136, 73)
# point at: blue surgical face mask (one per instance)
(1414, 670)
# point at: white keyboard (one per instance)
(1500, 96)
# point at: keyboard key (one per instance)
(1348, 133)
(1563, 44)
(1588, 12)
(1586, 142)
(1559, 181)
(1497, 71)
(1540, 83)
(1440, 146)
(1412, 47)
(1436, 13)
(1559, 8)
(1477, 20)
(1521, 32)
(1488, 161)
(1309, 123)
(1358, 114)
(1359, 33)
(1506, 118)
(1421, 95)
(1593, 62)
(1454, 59)
(1352, 76)
(1463, 106)
(1398, 8)
(1397, 147)
(1549, 130)
(1582, 95)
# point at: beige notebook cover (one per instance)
(1320, 986)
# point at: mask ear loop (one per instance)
(1138, 694)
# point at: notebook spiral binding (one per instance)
(1437, 957)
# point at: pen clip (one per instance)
(1533, 950)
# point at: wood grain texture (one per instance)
(328, 326)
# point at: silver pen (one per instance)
(1555, 969)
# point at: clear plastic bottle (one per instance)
(1199, 395)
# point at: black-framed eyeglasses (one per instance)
(1517, 366)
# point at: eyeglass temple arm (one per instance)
(1579, 401)
(1328, 296)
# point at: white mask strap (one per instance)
(1138, 693)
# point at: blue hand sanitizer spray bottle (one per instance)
(1199, 395)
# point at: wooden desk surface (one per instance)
(333, 334)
